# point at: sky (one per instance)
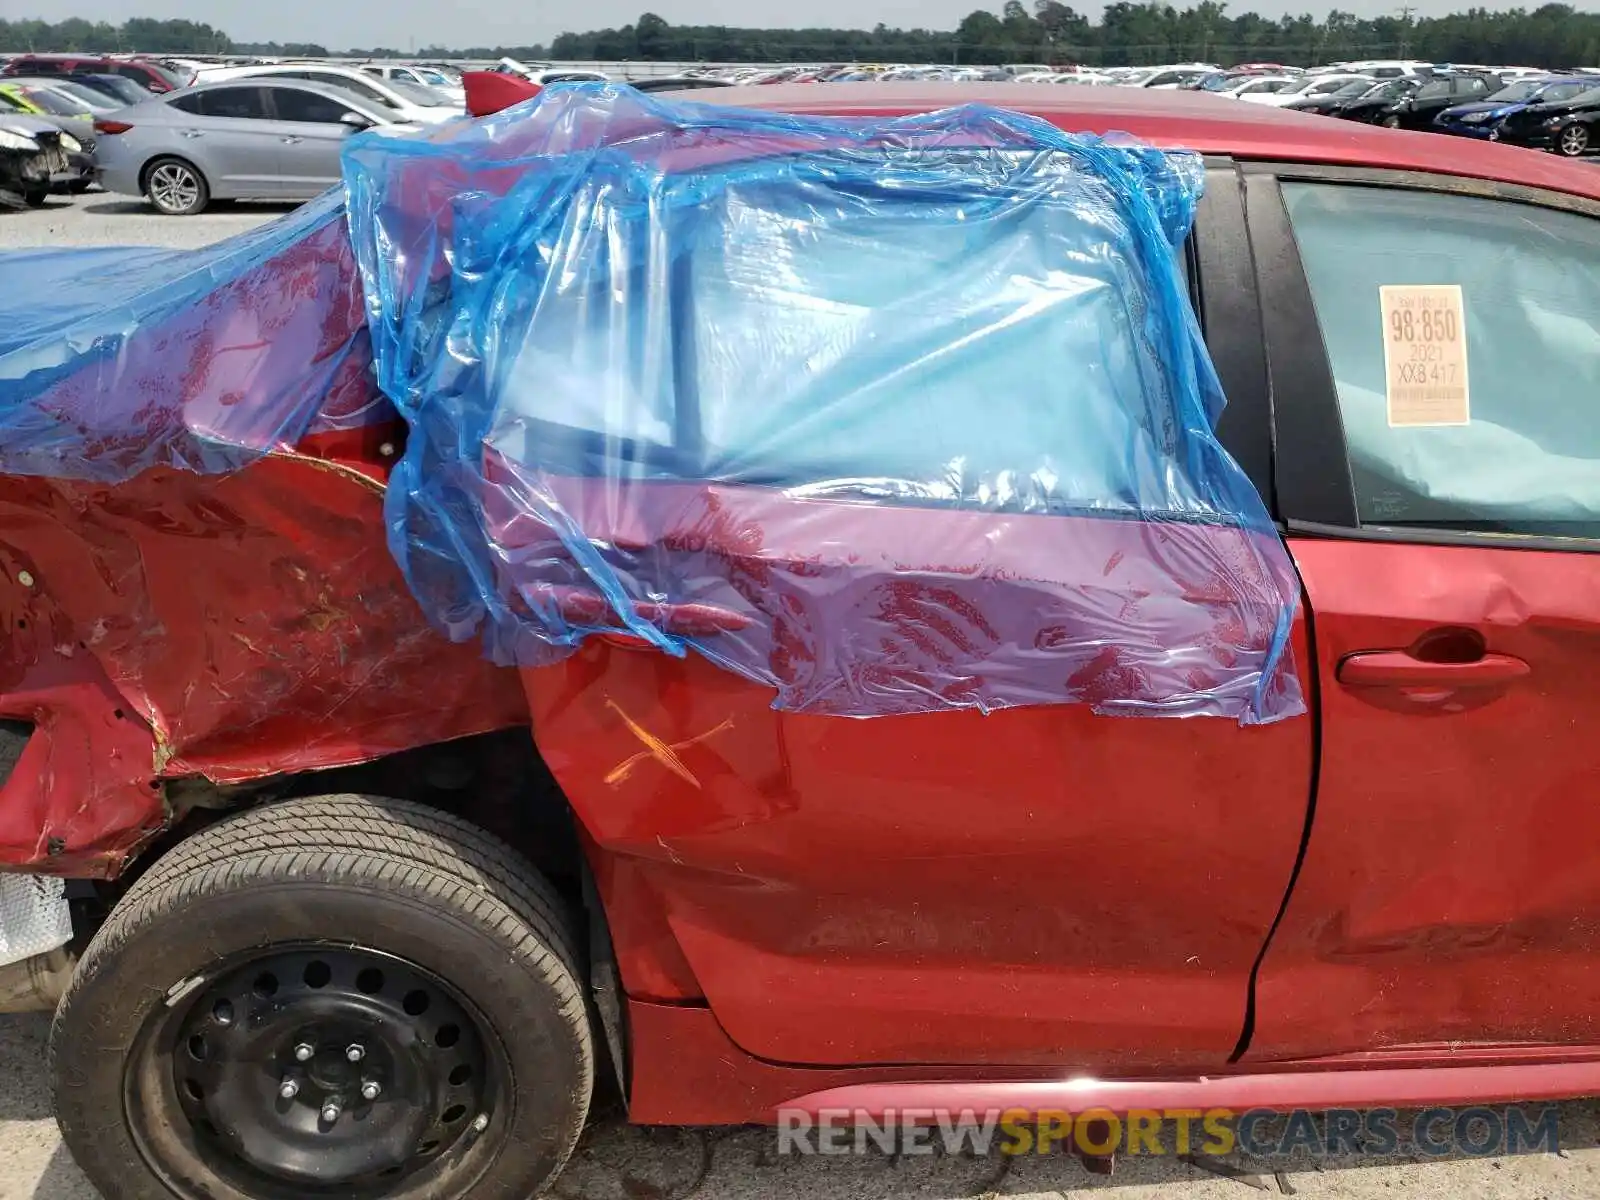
(399, 23)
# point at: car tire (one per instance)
(202, 1044)
(1390, 122)
(175, 187)
(36, 197)
(1572, 141)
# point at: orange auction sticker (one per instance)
(1425, 354)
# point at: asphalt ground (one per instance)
(619, 1162)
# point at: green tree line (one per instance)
(1553, 35)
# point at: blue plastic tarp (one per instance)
(115, 360)
(888, 415)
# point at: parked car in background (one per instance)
(1257, 85)
(1306, 88)
(268, 138)
(1418, 110)
(95, 101)
(33, 157)
(404, 102)
(1374, 102)
(119, 90)
(1480, 118)
(43, 100)
(78, 141)
(423, 77)
(1567, 126)
(1329, 103)
(152, 77)
(1177, 77)
(1381, 68)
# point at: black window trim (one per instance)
(1312, 482)
(1226, 300)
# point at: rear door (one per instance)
(230, 134)
(1436, 380)
(1039, 885)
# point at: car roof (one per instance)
(327, 91)
(1188, 120)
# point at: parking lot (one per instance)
(101, 219)
(616, 1161)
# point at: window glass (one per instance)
(40, 66)
(53, 103)
(1528, 458)
(190, 102)
(1435, 91)
(1560, 92)
(238, 102)
(295, 105)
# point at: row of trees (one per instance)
(1147, 32)
(1126, 33)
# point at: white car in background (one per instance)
(1259, 85)
(1378, 68)
(1305, 88)
(425, 77)
(403, 102)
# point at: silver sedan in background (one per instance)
(258, 139)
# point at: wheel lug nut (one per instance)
(371, 1090)
(480, 1123)
(288, 1089)
(356, 1053)
(303, 1052)
(331, 1111)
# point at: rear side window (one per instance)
(1519, 451)
(38, 66)
(239, 102)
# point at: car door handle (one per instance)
(191, 133)
(1399, 668)
(291, 140)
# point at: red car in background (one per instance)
(151, 76)
(727, 909)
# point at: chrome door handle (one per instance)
(291, 140)
(191, 133)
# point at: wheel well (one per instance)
(498, 781)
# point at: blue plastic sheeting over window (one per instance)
(889, 415)
(116, 360)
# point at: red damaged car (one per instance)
(356, 911)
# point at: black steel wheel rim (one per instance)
(318, 1070)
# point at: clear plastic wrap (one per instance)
(890, 415)
(116, 360)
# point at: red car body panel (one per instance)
(1091, 891)
(1450, 889)
(999, 902)
(222, 626)
(686, 1071)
